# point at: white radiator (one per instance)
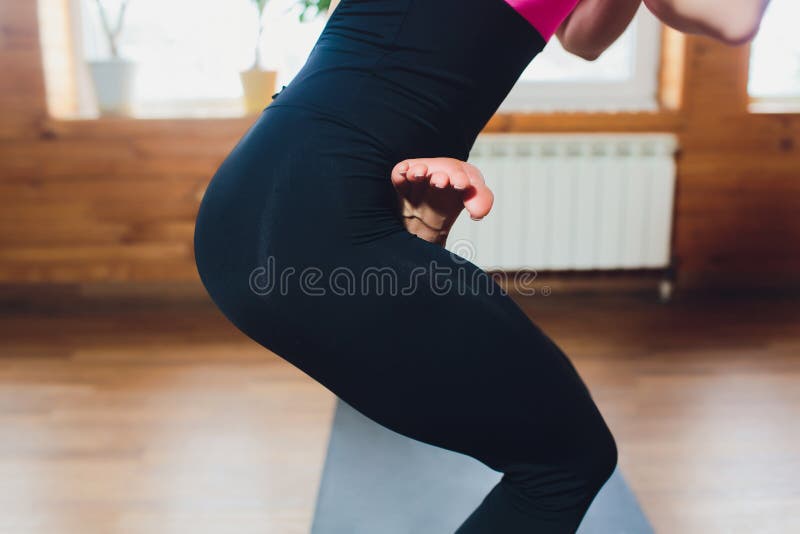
(572, 202)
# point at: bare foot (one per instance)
(433, 191)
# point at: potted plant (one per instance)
(113, 78)
(258, 83)
(316, 7)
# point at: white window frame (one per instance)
(639, 93)
(787, 103)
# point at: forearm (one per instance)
(731, 21)
(594, 25)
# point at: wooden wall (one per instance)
(114, 200)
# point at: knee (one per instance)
(599, 456)
(571, 478)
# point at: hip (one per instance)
(298, 176)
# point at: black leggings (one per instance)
(300, 243)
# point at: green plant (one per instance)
(318, 7)
(112, 33)
(260, 5)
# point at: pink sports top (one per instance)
(544, 15)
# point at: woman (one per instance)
(303, 245)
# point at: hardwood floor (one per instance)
(161, 418)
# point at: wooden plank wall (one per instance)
(114, 200)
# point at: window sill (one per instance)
(193, 110)
(504, 121)
(773, 106)
(661, 120)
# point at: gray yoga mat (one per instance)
(376, 481)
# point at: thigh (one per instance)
(442, 356)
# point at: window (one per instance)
(625, 77)
(188, 55)
(775, 58)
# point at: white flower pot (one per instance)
(113, 85)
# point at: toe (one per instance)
(440, 180)
(417, 172)
(459, 180)
(399, 173)
(479, 201)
